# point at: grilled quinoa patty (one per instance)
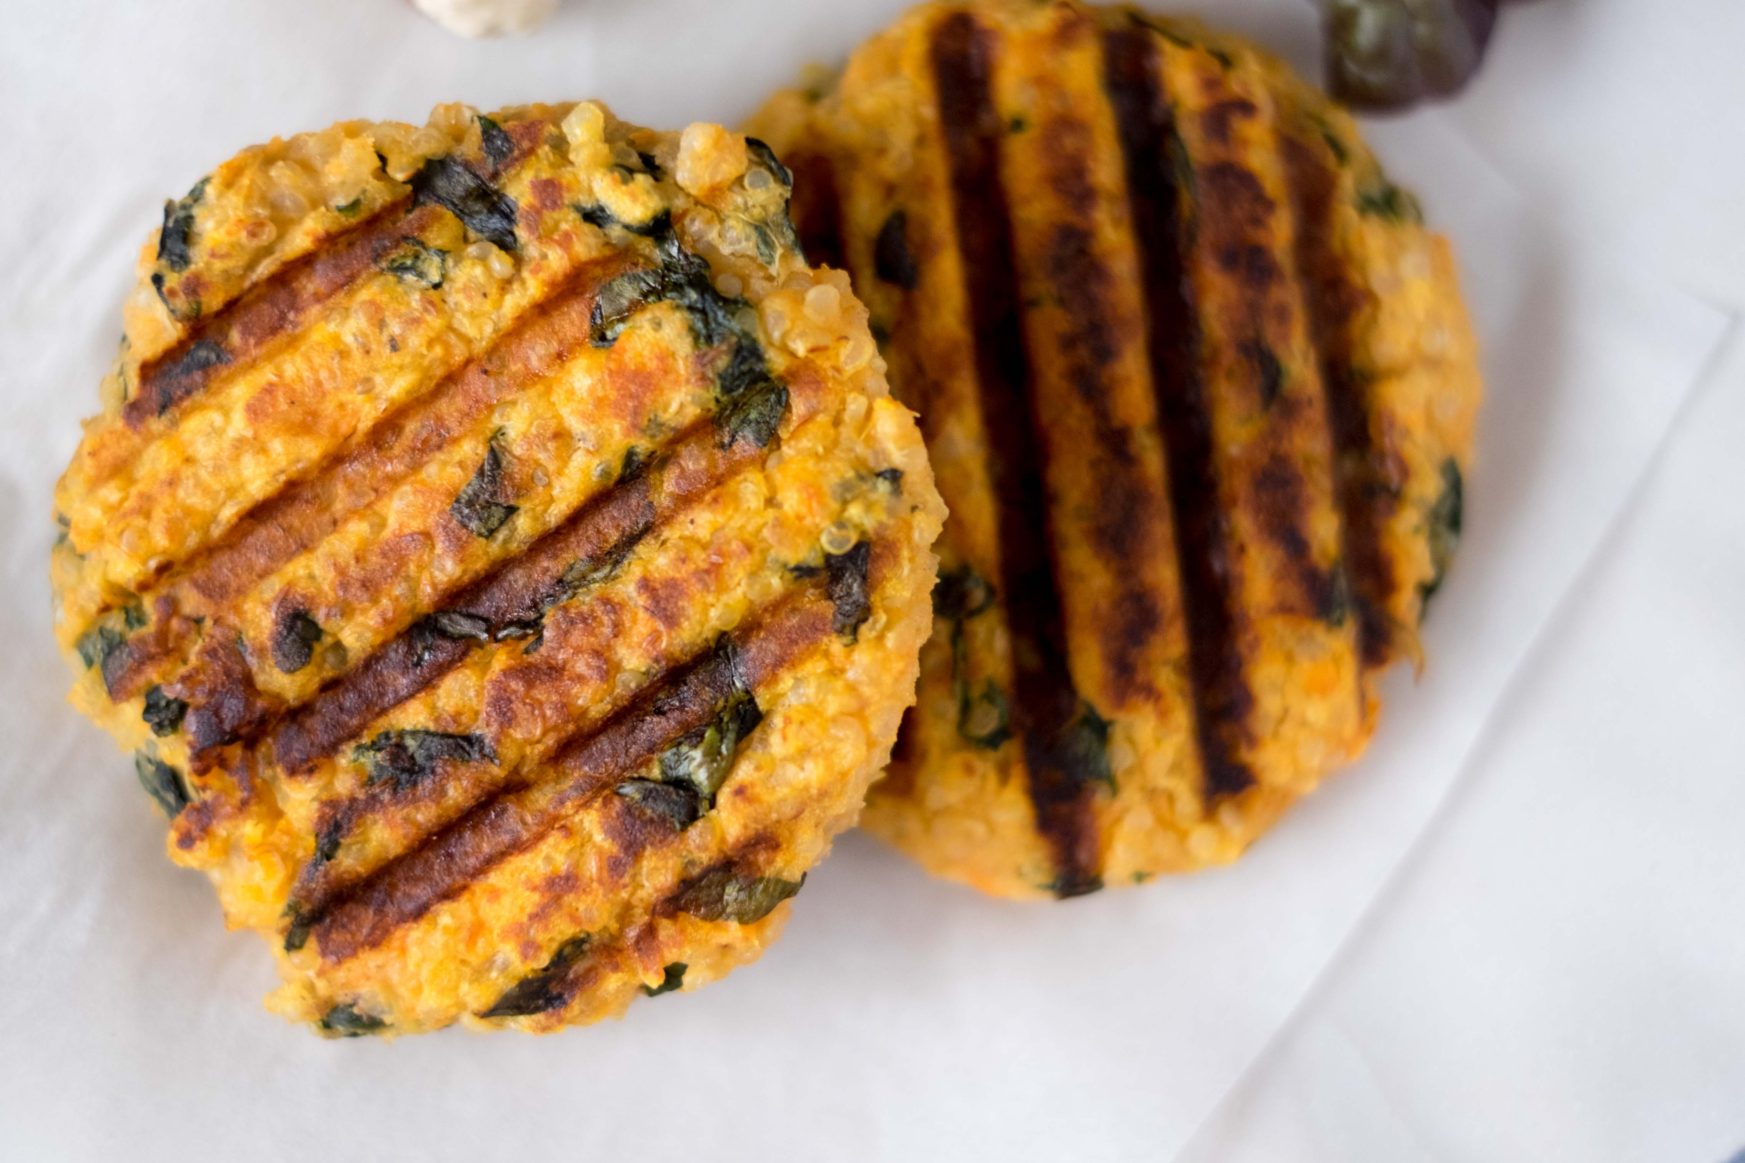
(1199, 391)
(503, 556)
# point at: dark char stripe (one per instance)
(1152, 149)
(365, 914)
(1048, 707)
(512, 600)
(268, 310)
(1364, 500)
(245, 327)
(292, 521)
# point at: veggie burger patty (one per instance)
(1199, 390)
(503, 556)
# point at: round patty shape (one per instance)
(504, 556)
(1199, 391)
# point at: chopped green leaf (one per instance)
(418, 263)
(678, 804)
(671, 978)
(846, 583)
(347, 1021)
(162, 783)
(754, 415)
(498, 145)
(701, 759)
(1388, 201)
(481, 207)
(459, 624)
(543, 990)
(585, 572)
(483, 505)
(1443, 527)
(176, 239)
(98, 643)
(682, 278)
(406, 758)
(961, 593)
(595, 214)
(294, 637)
(1081, 749)
(985, 718)
(765, 157)
(163, 714)
(724, 894)
(328, 837)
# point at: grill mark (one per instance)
(1047, 703)
(244, 328)
(1364, 499)
(1092, 346)
(1150, 145)
(224, 704)
(516, 594)
(366, 914)
(286, 525)
(560, 989)
(268, 310)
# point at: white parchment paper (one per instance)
(900, 1017)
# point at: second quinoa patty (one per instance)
(503, 556)
(1199, 390)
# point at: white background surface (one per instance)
(1515, 931)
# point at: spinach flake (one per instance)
(163, 714)
(498, 145)
(985, 718)
(846, 583)
(723, 894)
(678, 804)
(671, 978)
(176, 239)
(162, 783)
(751, 401)
(97, 644)
(347, 1021)
(595, 214)
(459, 624)
(1081, 748)
(483, 505)
(961, 593)
(1389, 202)
(294, 637)
(1444, 520)
(418, 263)
(701, 759)
(754, 415)
(766, 159)
(481, 207)
(681, 278)
(327, 840)
(406, 758)
(543, 990)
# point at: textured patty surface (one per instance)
(504, 557)
(1199, 391)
